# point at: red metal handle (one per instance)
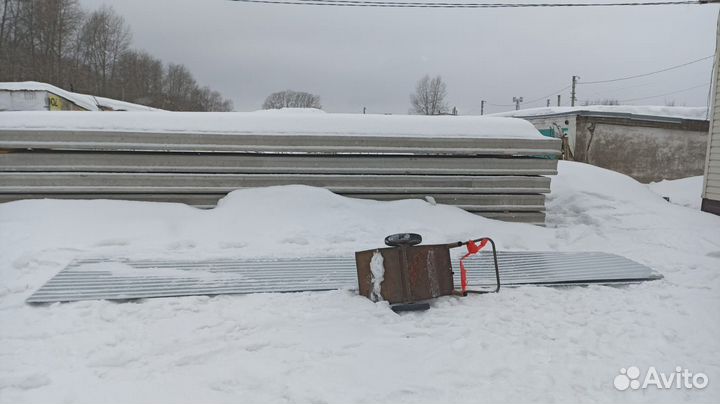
(473, 249)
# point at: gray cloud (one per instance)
(355, 57)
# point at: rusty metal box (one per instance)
(411, 273)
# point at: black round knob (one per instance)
(396, 240)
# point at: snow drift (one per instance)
(684, 191)
(524, 344)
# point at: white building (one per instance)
(648, 143)
(35, 96)
(711, 185)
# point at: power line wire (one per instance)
(396, 4)
(647, 74)
(662, 95)
(549, 95)
(530, 101)
(615, 90)
(499, 105)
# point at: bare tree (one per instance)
(204, 99)
(606, 101)
(12, 53)
(54, 42)
(105, 37)
(216, 102)
(36, 37)
(7, 7)
(292, 99)
(178, 88)
(140, 78)
(429, 97)
(57, 21)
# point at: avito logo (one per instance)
(679, 379)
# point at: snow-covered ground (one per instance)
(524, 344)
(684, 192)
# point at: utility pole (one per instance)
(558, 100)
(517, 101)
(572, 93)
(482, 107)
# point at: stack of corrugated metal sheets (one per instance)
(500, 175)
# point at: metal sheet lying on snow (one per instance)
(120, 279)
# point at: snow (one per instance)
(276, 122)
(88, 102)
(684, 192)
(524, 344)
(118, 105)
(377, 269)
(700, 113)
(120, 269)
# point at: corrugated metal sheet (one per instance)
(120, 279)
(17, 182)
(90, 161)
(273, 143)
(470, 202)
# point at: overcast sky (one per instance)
(372, 57)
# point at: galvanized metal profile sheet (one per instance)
(113, 279)
(472, 202)
(121, 279)
(243, 163)
(273, 143)
(548, 268)
(13, 182)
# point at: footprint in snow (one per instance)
(182, 245)
(232, 245)
(295, 240)
(112, 243)
(25, 382)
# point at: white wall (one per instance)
(23, 101)
(542, 123)
(711, 189)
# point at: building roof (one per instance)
(648, 112)
(88, 102)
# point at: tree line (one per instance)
(291, 99)
(57, 42)
(428, 98)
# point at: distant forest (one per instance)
(57, 42)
